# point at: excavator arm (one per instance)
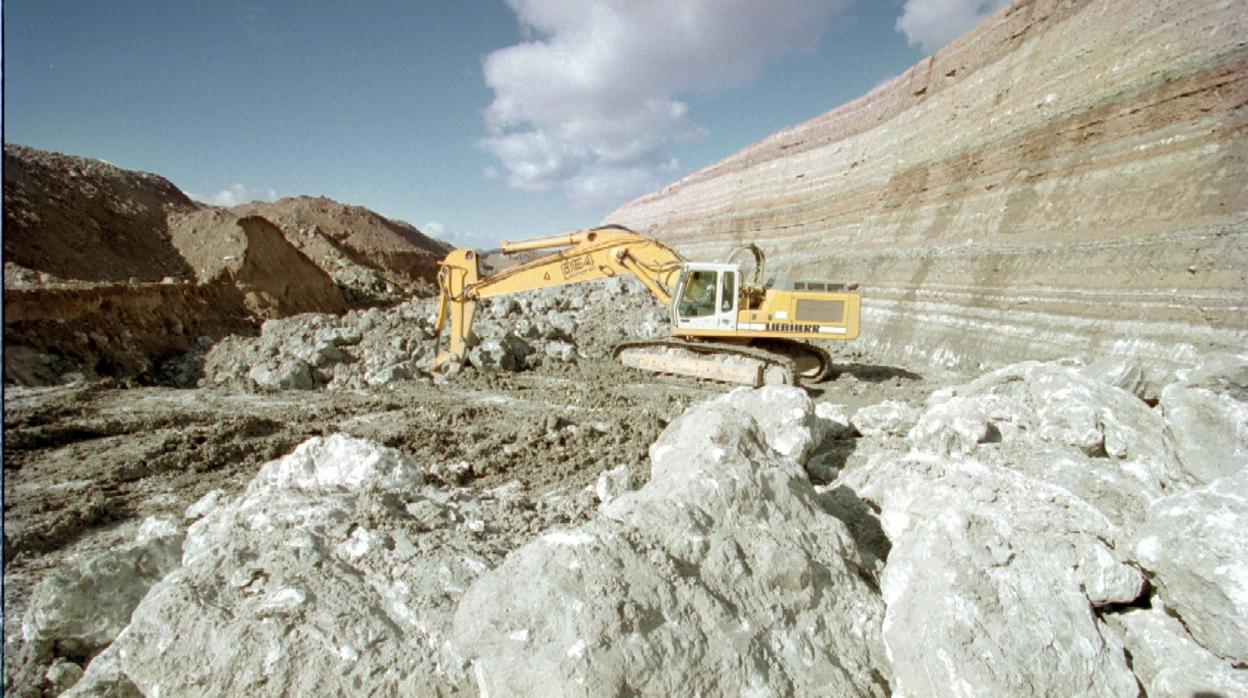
(583, 255)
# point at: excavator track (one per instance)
(773, 362)
(814, 364)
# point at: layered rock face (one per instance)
(1068, 178)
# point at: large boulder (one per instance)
(1011, 507)
(888, 418)
(287, 374)
(991, 582)
(335, 572)
(1195, 547)
(1055, 424)
(724, 575)
(506, 353)
(786, 419)
(1209, 429)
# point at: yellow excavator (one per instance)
(726, 327)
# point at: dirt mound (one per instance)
(371, 257)
(86, 219)
(275, 279)
(110, 272)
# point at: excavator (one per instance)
(725, 327)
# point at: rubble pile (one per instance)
(376, 347)
(1035, 531)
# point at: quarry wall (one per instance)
(1067, 179)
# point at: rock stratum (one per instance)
(1066, 179)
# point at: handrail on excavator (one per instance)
(575, 237)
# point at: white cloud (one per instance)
(588, 105)
(457, 237)
(234, 195)
(930, 24)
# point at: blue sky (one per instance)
(475, 120)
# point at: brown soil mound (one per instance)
(110, 272)
(275, 279)
(339, 237)
(85, 219)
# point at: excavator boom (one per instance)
(585, 255)
(727, 328)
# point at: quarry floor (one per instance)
(83, 464)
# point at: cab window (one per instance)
(728, 294)
(698, 298)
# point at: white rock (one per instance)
(785, 416)
(990, 582)
(287, 374)
(503, 306)
(1059, 426)
(390, 374)
(888, 418)
(1169, 663)
(1011, 508)
(80, 610)
(1209, 429)
(722, 576)
(309, 583)
(62, 675)
(1195, 547)
(339, 462)
(954, 427)
(1122, 374)
(613, 483)
(559, 325)
(504, 353)
(104, 676)
(561, 351)
(204, 505)
(834, 420)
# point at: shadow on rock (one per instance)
(862, 519)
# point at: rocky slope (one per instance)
(1068, 178)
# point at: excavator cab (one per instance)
(707, 297)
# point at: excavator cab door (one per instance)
(707, 298)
